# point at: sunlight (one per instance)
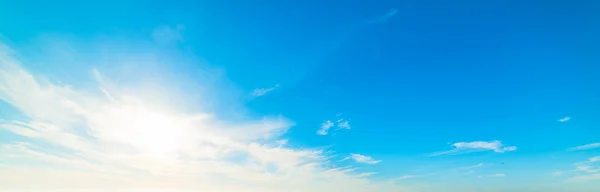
(153, 133)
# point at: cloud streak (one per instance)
(363, 159)
(263, 91)
(388, 15)
(328, 124)
(476, 146)
(564, 119)
(585, 147)
(325, 126)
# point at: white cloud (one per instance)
(343, 124)
(564, 119)
(585, 178)
(586, 147)
(363, 159)
(498, 175)
(406, 177)
(583, 171)
(470, 167)
(167, 34)
(493, 175)
(125, 136)
(263, 91)
(325, 126)
(476, 146)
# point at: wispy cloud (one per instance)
(469, 169)
(328, 124)
(564, 119)
(476, 146)
(585, 178)
(585, 147)
(263, 91)
(388, 15)
(168, 34)
(363, 159)
(146, 133)
(583, 171)
(493, 175)
(404, 177)
(325, 126)
(343, 124)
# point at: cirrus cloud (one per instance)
(476, 146)
(128, 133)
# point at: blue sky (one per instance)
(300, 95)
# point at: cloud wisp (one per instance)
(145, 134)
(585, 147)
(263, 91)
(491, 176)
(325, 126)
(362, 159)
(328, 124)
(388, 15)
(343, 124)
(564, 119)
(168, 34)
(476, 146)
(585, 171)
(404, 177)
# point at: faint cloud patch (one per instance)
(325, 126)
(404, 177)
(491, 176)
(263, 91)
(167, 34)
(476, 146)
(388, 15)
(583, 171)
(343, 124)
(564, 119)
(362, 159)
(585, 147)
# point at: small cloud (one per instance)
(584, 171)
(586, 168)
(263, 91)
(494, 175)
(363, 159)
(366, 174)
(343, 124)
(325, 127)
(584, 178)
(470, 167)
(167, 34)
(282, 142)
(564, 119)
(476, 146)
(406, 177)
(585, 147)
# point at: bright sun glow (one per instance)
(150, 132)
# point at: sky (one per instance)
(300, 96)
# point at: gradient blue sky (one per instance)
(394, 95)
